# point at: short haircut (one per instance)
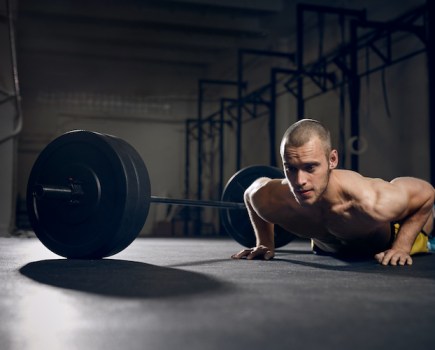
(301, 132)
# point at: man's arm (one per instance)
(410, 202)
(255, 197)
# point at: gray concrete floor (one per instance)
(187, 294)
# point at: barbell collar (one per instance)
(68, 193)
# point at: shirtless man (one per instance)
(341, 211)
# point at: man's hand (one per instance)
(260, 252)
(394, 257)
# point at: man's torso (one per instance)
(344, 219)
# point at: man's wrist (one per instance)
(406, 247)
(268, 244)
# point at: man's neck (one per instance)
(332, 194)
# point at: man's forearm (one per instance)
(265, 234)
(406, 237)
(264, 231)
(411, 227)
(420, 198)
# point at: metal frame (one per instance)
(349, 52)
(240, 76)
(198, 125)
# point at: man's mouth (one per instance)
(304, 193)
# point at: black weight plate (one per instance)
(237, 222)
(139, 196)
(72, 230)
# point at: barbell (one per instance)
(88, 197)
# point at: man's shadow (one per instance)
(423, 266)
(120, 278)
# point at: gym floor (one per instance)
(187, 294)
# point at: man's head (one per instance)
(308, 159)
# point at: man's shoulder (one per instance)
(344, 174)
(350, 175)
(357, 185)
(265, 186)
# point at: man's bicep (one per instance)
(415, 192)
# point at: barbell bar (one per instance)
(73, 193)
(88, 196)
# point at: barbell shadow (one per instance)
(120, 278)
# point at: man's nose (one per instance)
(300, 178)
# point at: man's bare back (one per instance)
(337, 208)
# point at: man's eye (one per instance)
(290, 169)
(310, 168)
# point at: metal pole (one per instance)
(198, 217)
(186, 216)
(200, 145)
(430, 5)
(300, 59)
(239, 110)
(354, 92)
(272, 118)
(221, 146)
(187, 160)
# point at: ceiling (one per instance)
(184, 39)
(196, 33)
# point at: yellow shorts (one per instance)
(420, 243)
(334, 247)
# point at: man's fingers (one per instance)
(387, 258)
(269, 255)
(241, 254)
(400, 259)
(394, 258)
(259, 251)
(254, 253)
(379, 257)
(407, 260)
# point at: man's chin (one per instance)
(306, 202)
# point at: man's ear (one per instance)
(333, 159)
